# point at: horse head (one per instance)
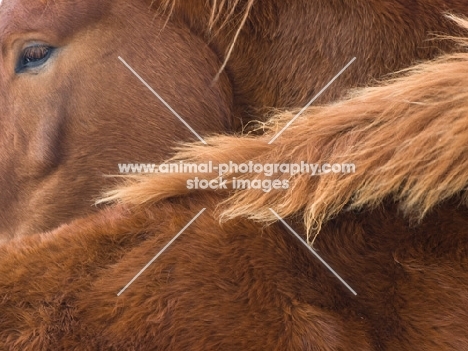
(71, 111)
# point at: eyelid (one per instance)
(21, 67)
(30, 50)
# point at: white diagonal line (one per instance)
(314, 252)
(160, 252)
(162, 100)
(311, 101)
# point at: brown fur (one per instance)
(73, 122)
(61, 130)
(287, 51)
(243, 286)
(407, 138)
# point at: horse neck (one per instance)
(287, 52)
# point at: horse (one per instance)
(281, 54)
(71, 111)
(167, 267)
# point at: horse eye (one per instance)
(33, 56)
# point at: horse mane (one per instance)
(221, 12)
(407, 137)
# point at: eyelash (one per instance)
(33, 56)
